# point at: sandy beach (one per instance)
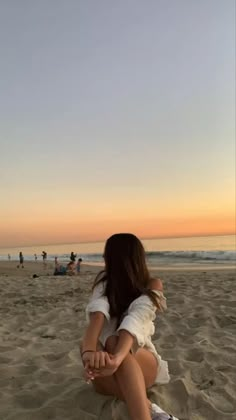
(42, 322)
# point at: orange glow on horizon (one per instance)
(54, 232)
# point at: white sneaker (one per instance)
(158, 414)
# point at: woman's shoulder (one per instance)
(99, 287)
(100, 275)
(141, 301)
(144, 301)
(155, 284)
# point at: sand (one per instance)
(42, 322)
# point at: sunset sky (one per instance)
(116, 116)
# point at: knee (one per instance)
(111, 344)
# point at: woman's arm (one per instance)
(124, 344)
(93, 331)
(97, 311)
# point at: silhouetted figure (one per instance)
(21, 259)
(35, 257)
(9, 257)
(44, 255)
(72, 256)
(78, 265)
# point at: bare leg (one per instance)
(130, 381)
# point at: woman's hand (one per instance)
(100, 363)
(112, 364)
(94, 360)
(93, 363)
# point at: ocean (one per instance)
(171, 252)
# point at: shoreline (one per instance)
(34, 267)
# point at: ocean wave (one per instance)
(173, 256)
(180, 255)
(153, 257)
(194, 255)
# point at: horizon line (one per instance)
(103, 240)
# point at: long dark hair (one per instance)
(126, 274)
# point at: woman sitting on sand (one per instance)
(117, 352)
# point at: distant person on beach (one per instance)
(35, 257)
(71, 268)
(44, 255)
(21, 260)
(60, 270)
(78, 265)
(72, 257)
(117, 351)
(9, 257)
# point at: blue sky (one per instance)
(133, 100)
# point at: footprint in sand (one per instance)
(225, 321)
(194, 322)
(5, 360)
(170, 343)
(53, 357)
(221, 400)
(29, 400)
(27, 369)
(205, 385)
(175, 367)
(194, 355)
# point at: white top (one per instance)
(138, 321)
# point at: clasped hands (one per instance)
(99, 363)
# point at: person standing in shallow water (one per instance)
(21, 260)
(117, 351)
(44, 255)
(78, 265)
(73, 256)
